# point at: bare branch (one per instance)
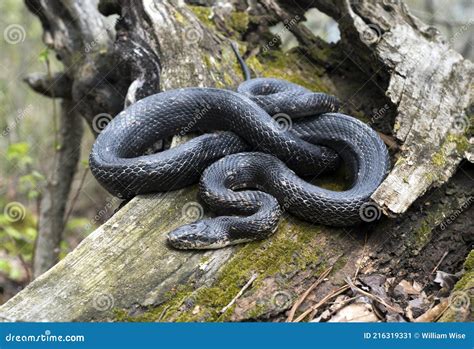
(58, 86)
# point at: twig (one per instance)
(76, 195)
(301, 299)
(25, 267)
(371, 296)
(434, 313)
(163, 312)
(363, 255)
(439, 263)
(314, 312)
(52, 178)
(241, 292)
(389, 141)
(342, 304)
(333, 294)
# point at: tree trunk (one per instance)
(384, 71)
(55, 196)
(81, 82)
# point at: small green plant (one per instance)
(18, 227)
(17, 235)
(18, 155)
(30, 181)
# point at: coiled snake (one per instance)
(251, 168)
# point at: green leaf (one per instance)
(37, 175)
(33, 194)
(30, 234)
(19, 153)
(16, 272)
(17, 150)
(12, 232)
(77, 223)
(85, 163)
(44, 55)
(5, 266)
(63, 249)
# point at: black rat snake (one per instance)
(251, 168)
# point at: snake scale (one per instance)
(250, 169)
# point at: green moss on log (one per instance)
(459, 141)
(291, 66)
(439, 158)
(180, 18)
(467, 281)
(464, 289)
(204, 15)
(239, 21)
(290, 249)
(421, 234)
(293, 248)
(469, 262)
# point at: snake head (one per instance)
(198, 235)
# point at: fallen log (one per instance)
(124, 271)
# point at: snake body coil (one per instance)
(278, 160)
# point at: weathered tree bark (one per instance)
(428, 83)
(125, 270)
